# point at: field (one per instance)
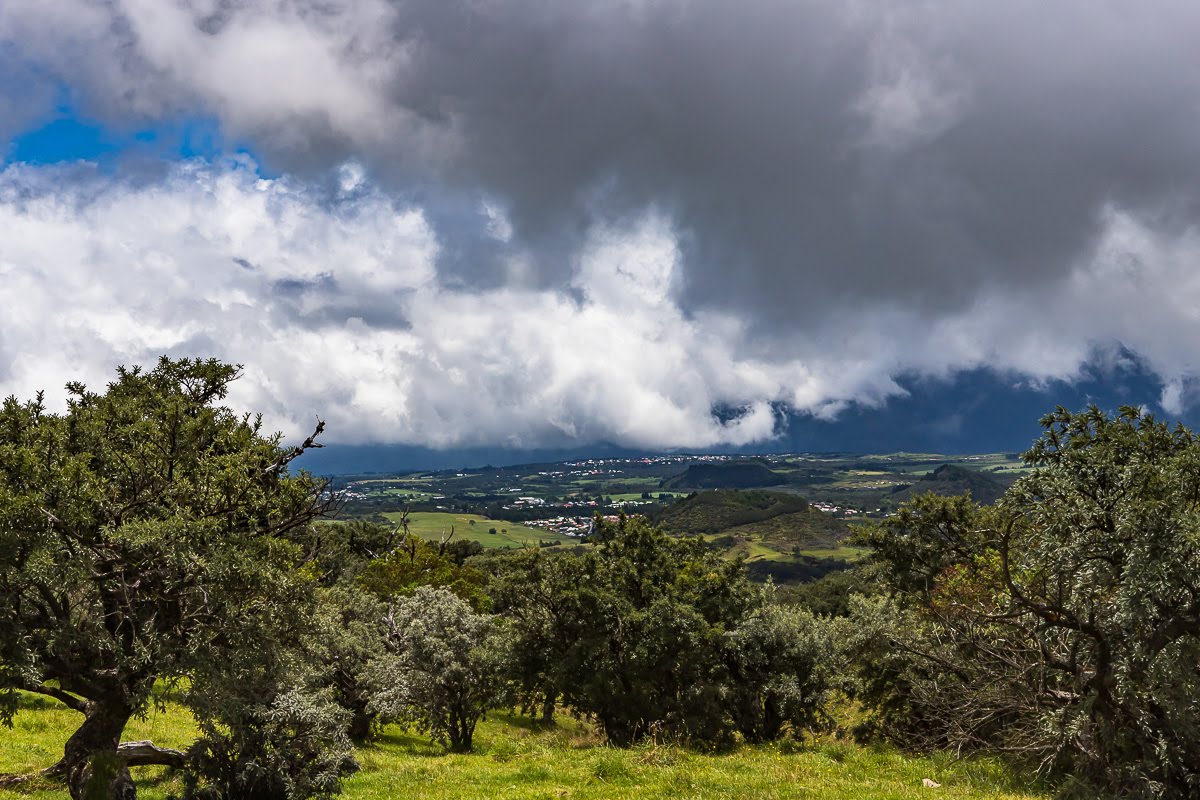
(516, 761)
(858, 484)
(432, 525)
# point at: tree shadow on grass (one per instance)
(407, 742)
(522, 722)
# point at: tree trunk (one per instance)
(361, 723)
(548, 708)
(93, 769)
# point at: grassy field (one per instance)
(42, 726)
(515, 760)
(432, 525)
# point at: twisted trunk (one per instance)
(91, 764)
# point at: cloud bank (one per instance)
(656, 223)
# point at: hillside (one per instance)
(726, 475)
(720, 509)
(777, 534)
(951, 479)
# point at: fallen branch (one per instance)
(146, 753)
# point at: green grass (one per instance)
(515, 760)
(759, 550)
(432, 525)
(844, 552)
(42, 726)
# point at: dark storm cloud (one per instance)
(754, 205)
(913, 154)
(813, 154)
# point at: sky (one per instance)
(469, 231)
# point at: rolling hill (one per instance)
(779, 535)
(949, 480)
(727, 475)
(720, 509)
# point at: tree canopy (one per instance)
(141, 532)
(1064, 624)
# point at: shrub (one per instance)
(784, 665)
(447, 670)
(293, 747)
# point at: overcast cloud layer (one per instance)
(537, 224)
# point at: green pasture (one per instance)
(516, 760)
(432, 525)
(846, 553)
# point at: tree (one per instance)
(539, 594)
(339, 551)
(366, 566)
(133, 528)
(448, 668)
(784, 666)
(414, 562)
(1065, 623)
(352, 635)
(630, 631)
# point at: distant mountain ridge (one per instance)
(725, 475)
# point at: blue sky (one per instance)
(469, 233)
(66, 136)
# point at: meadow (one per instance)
(516, 759)
(432, 525)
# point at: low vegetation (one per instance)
(514, 758)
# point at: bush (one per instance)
(291, 748)
(448, 668)
(784, 665)
(647, 633)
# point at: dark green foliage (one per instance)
(913, 549)
(414, 562)
(537, 592)
(658, 606)
(830, 595)
(784, 665)
(1065, 623)
(138, 532)
(950, 480)
(649, 633)
(801, 569)
(725, 475)
(351, 635)
(339, 551)
(459, 550)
